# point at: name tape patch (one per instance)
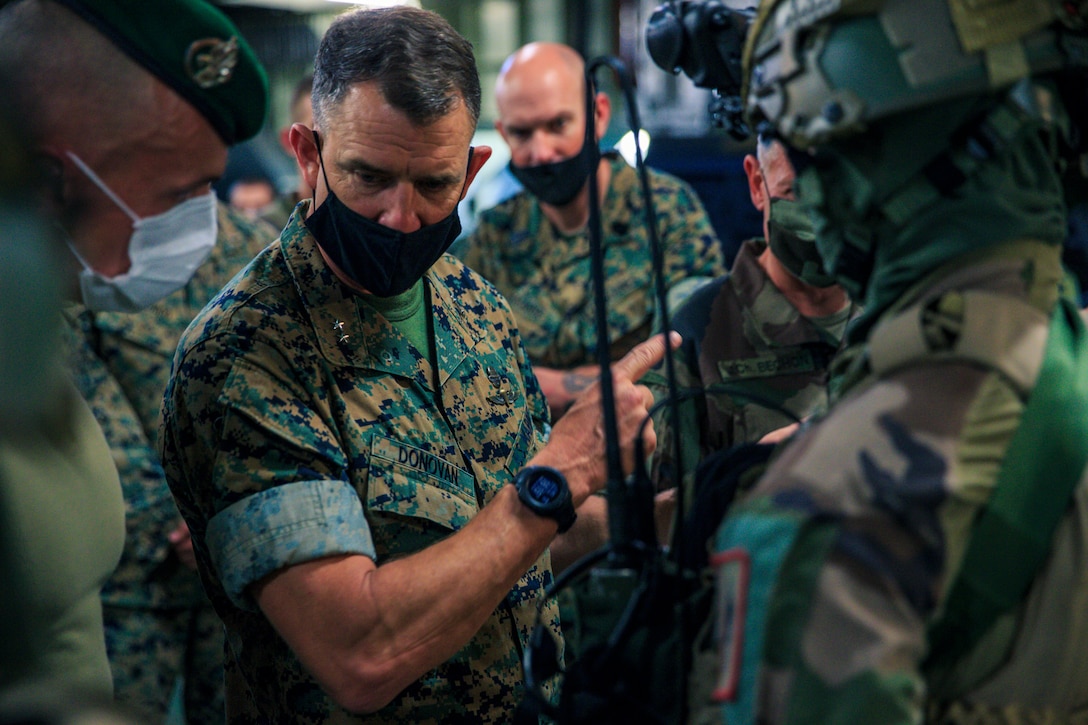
(449, 474)
(790, 363)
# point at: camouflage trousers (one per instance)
(151, 649)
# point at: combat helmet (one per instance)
(908, 106)
(822, 69)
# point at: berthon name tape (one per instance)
(789, 362)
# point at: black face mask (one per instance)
(792, 240)
(381, 260)
(558, 183)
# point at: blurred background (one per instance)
(285, 34)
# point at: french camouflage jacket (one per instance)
(757, 362)
(832, 568)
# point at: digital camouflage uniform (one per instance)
(753, 352)
(301, 424)
(159, 624)
(545, 275)
(855, 531)
(280, 211)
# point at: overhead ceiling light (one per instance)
(626, 146)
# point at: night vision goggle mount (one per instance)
(705, 40)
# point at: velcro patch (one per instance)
(732, 572)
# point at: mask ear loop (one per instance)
(321, 162)
(328, 187)
(464, 184)
(110, 193)
(102, 186)
(763, 173)
(766, 189)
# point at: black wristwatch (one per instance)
(544, 490)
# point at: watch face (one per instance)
(544, 489)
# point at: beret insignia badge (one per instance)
(210, 62)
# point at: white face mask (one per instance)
(165, 251)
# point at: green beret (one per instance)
(195, 49)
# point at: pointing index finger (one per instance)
(638, 361)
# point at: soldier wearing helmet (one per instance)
(920, 553)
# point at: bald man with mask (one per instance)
(535, 246)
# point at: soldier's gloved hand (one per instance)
(577, 443)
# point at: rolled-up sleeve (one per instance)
(286, 525)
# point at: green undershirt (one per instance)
(407, 313)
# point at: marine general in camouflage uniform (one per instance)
(160, 625)
(757, 343)
(921, 553)
(535, 247)
(341, 426)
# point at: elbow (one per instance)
(365, 689)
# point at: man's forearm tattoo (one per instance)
(575, 382)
